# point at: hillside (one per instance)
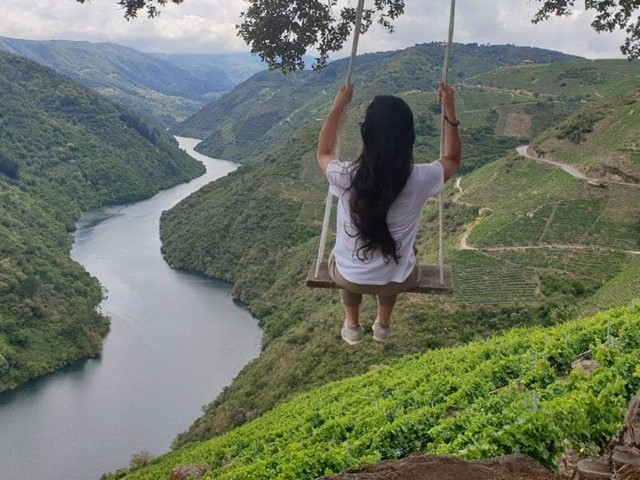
(572, 253)
(63, 149)
(514, 393)
(585, 142)
(256, 115)
(224, 70)
(160, 88)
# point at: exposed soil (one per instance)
(518, 125)
(512, 467)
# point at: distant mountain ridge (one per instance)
(156, 87)
(224, 70)
(259, 112)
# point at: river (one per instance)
(176, 340)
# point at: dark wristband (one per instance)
(455, 124)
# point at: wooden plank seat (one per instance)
(429, 279)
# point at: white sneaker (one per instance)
(380, 331)
(352, 335)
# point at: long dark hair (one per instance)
(383, 169)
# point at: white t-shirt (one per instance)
(403, 218)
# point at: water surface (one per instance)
(176, 340)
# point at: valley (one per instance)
(525, 270)
(537, 255)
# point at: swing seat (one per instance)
(429, 279)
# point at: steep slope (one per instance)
(514, 393)
(156, 87)
(224, 71)
(63, 149)
(602, 141)
(516, 268)
(266, 108)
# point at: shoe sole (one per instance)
(350, 342)
(382, 339)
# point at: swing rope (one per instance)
(445, 74)
(337, 148)
(328, 205)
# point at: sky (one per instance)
(208, 26)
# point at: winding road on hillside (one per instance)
(523, 151)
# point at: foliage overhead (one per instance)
(610, 15)
(131, 7)
(281, 31)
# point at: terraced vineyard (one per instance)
(600, 144)
(537, 219)
(622, 287)
(515, 393)
(481, 278)
(580, 80)
(533, 204)
(514, 276)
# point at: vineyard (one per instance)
(602, 140)
(580, 79)
(514, 393)
(530, 220)
(536, 204)
(618, 290)
(540, 246)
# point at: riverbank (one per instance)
(176, 341)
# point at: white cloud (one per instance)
(497, 22)
(208, 26)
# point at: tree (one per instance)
(282, 31)
(610, 15)
(131, 7)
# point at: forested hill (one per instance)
(528, 243)
(269, 106)
(167, 88)
(224, 70)
(63, 149)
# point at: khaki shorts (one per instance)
(351, 293)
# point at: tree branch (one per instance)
(611, 15)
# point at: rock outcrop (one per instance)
(512, 467)
(621, 460)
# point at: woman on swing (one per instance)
(380, 200)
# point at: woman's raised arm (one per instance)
(329, 132)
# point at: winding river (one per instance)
(176, 340)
